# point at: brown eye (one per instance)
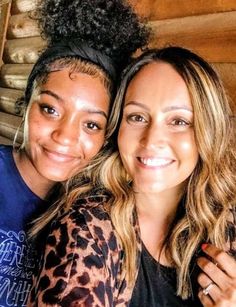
(136, 118)
(93, 126)
(180, 122)
(48, 110)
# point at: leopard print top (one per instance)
(82, 262)
(83, 259)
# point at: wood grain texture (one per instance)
(227, 71)
(165, 9)
(208, 35)
(11, 101)
(8, 126)
(21, 6)
(23, 50)
(5, 141)
(4, 17)
(22, 25)
(15, 75)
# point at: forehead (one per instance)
(65, 79)
(159, 82)
(66, 75)
(157, 71)
(71, 87)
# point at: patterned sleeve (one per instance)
(80, 263)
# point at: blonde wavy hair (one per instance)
(210, 191)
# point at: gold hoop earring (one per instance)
(14, 144)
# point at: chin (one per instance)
(55, 177)
(150, 187)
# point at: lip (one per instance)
(154, 162)
(58, 156)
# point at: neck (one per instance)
(158, 206)
(156, 213)
(38, 184)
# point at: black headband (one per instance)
(67, 49)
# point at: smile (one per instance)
(58, 157)
(155, 162)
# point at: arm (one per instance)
(74, 269)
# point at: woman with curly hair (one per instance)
(154, 224)
(68, 101)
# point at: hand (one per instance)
(218, 278)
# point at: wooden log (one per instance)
(4, 17)
(11, 101)
(9, 125)
(166, 9)
(212, 49)
(23, 50)
(21, 6)
(5, 141)
(209, 35)
(15, 75)
(213, 23)
(227, 71)
(22, 25)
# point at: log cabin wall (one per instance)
(207, 27)
(22, 45)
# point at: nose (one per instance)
(154, 136)
(66, 133)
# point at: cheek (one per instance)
(36, 128)
(36, 132)
(33, 125)
(92, 145)
(188, 148)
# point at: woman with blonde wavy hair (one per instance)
(68, 98)
(154, 223)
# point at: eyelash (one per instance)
(176, 122)
(97, 126)
(184, 122)
(135, 118)
(47, 109)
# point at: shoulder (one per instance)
(5, 148)
(89, 215)
(88, 211)
(92, 207)
(6, 157)
(81, 257)
(5, 151)
(86, 225)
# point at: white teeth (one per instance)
(155, 162)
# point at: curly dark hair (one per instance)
(110, 26)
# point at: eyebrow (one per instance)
(50, 93)
(166, 109)
(89, 110)
(135, 103)
(181, 107)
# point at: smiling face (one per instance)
(65, 124)
(156, 137)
